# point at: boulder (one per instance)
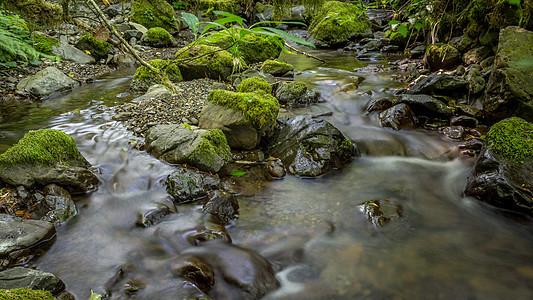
(243, 117)
(441, 56)
(476, 55)
(217, 65)
(254, 85)
(19, 234)
(71, 53)
(398, 117)
(309, 146)
(439, 84)
(207, 150)
(20, 277)
(510, 86)
(425, 105)
(295, 94)
(475, 80)
(195, 270)
(154, 13)
(223, 205)
(187, 186)
(157, 37)
(503, 173)
(276, 68)
(98, 49)
(60, 204)
(337, 23)
(236, 79)
(47, 156)
(145, 78)
(46, 82)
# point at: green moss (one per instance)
(254, 85)
(337, 22)
(346, 144)
(224, 5)
(275, 67)
(296, 87)
(44, 146)
(214, 142)
(158, 34)
(36, 11)
(25, 294)
(218, 61)
(511, 139)
(259, 109)
(154, 13)
(171, 70)
(44, 43)
(98, 49)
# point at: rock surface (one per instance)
(310, 146)
(71, 53)
(217, 65)
(440, 84)
(188, 186)
(19, 277)
(424, 105)
(398, 117)
(18, 234)
(46, 82)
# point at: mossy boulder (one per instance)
(503, 174)
(26, 294)
(276, 68)
(98, 49)
(154, 13)
(144, 78)
(223, 5)
(441, 56)
(509, 89)
(47, 156)
(336, 23)
(253, 47)
(243, 117)
(26, 278)
(216, 65)
(158, 37)
(295, 94)
(36, 11)
(207, 150)
(44, 43)
(254, 85)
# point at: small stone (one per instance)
(275, 169)
(454, 132)
(464, 121)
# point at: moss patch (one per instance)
(145, 77)
(254, 85)
(218, 64)
(158, 36)
(36, 11)
(296, 87)
(44, 146)
(98, 49)
(511, 139)
(213, 142)
(276, 68)
(25, 294)
(44, 43)
(338, 22)
(224, 5)
(259, 109)
(154, 13)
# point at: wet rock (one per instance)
(195, 270)
(177, 144)
(71, 53)
(243, 269)
(476, 55)
(47, 156)
(464, 121)
(454, 132)
(46, 82)
(275, 169)
(510, 87)
(295, 94)
(19, 234)
(276, 68)
(468, 110)
(188, 186)
(223, 205)
(207, 232)
(441, 56)
(398, 117)
(60, 204)
(476, 82)
(19, 277)
(502, 175)
(374, 56)
(152, 215)
(379, 104)
(382, 211)
(373, 45)
(310, 146)
(441, 84)
(424, 105)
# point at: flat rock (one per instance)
(18, 233)
(71, 53)
(46, 82)
(19, 277)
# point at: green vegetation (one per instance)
(36, 11)
(276, 68)
(259, 109)
(154, 13)
(296, 88)
(44, 146)
(145, 77)
(511, 139)
(217, 61)
(25, 294)
(44, 44)
(254, 85)
(159, 37)
(98, 49)
(213, 142)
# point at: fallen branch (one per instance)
(304, 53)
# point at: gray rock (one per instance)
(454, 132)
(424, 105)
(18, 234)
(397, 117)
(297, 14)
(46, 82)
(379, 104)
(476, 55)
(123, 60)
(476, 82)
(138, 27)
(373, 45)
(187, 186)
(71, 53)
(60, 203)
(295, 94)
(133, 33)
(441, 84)
(19, 277)
(223, 205)
(122, 28)
(310, 146)
(152, 214)
(176, 144)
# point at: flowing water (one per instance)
(443, 245)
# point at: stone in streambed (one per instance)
(223, 205)
(19, 277)
(145, 78)
(440, 84)
(188, 186)
(19, 234)
(195, 270)
(45, 82)
(425, 105)
(398, 117)
(295, 94)
(217, 64)
(59, 202)
(441, 56)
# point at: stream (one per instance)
(443, 245)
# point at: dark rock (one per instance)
(454, 132)
(424, 105)
(418, 51)
(373, 45)
(476, 82)
(208, 232)
(468, 110)
(309, 146)
(275, 169)
(441, 56)
(390, 48)
(487, 62)
(490, 38)
(374, 56)
(19, 277)
(19, 234)
(295, 94)
(397, 117)
(223, 205)
(379, 104)
(60, 204)
(464, 121)
(195, 270)
(152, 215)
(460, 71)
(476, 55)
(188, 186)
(381, 212)
(441, 84)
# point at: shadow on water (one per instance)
(438, 244)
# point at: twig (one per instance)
(304, 53)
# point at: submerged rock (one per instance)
(47, 156)
(195, 270)
(503, 174)
(188, 186)
(46, 82)
(310, 146)
(382, 211)
(19, 234)
(207, 150)
(223, 205)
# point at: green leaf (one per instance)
(513, 2)
(229, 18)
(392, 22)
(95, 296)
(287, 36)
(124, 149)
(237, 173)
(192, 21)
(402, 29)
